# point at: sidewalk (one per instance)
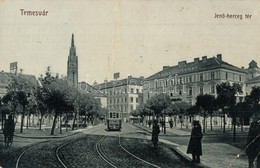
(35, 133)
(215, 155)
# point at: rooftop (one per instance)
(196, 66)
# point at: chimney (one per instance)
(182, 63)
(204, 58)
(165, 67)
(105, 81)
(196, 60)
(219, 56)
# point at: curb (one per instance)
(177, 152)
(46, 137)
(54, 137)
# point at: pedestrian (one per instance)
(171, 123)
(155, 133)
(8, 128)
(253, 142)
(194, 146)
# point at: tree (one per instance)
(207, 103)
(158, 104)
(173, 109)
(18, 91)
(41, 102)
(226, 98)
(57, 97)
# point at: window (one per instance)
(137, 91)
(190, 91)
(201, 89)
(190, 79)
(180, 92)
(137, 101)
(190, 101)
(226, 75)
(212, 75)
(240, 78)
(131, 107)
(201, 77)
(212, 88)
(131, 99)
(132, 90)
(181, 81)
(125, 99)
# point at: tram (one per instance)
(114, 120)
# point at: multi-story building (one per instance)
(123, 95)
(6, 77)
(253, 77)
(187, 80)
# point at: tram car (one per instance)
(114, 120)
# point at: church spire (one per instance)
(72, 47)
(72, 40)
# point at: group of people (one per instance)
(195, 147)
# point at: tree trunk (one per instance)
(204, 121)
(27, 120)
(60, 123)
(66, 122)
(77, 118)
(33, 119)
(54, 123)
(74, 120)
(85, 122)
(41, 122)
(242, 125)
(2, 121)
(234, 130)
(224, 123)
(211, 127)
(22, 120)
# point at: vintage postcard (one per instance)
(129, 83)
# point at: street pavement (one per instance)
(215, 154)
(40, 151)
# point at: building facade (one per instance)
(253, 77)
(72, 65)
(186, 81)
(123, 95)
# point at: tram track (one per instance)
(114, 160)
(54, 147)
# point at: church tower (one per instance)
(72, 65)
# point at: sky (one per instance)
(136, 37)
